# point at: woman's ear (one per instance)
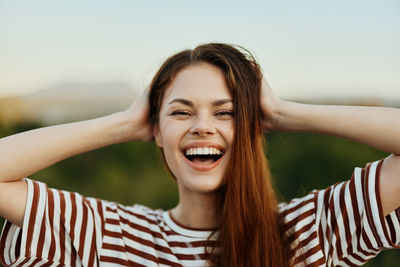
(157, 135)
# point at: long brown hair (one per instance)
(249, 232)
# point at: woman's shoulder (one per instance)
(139, 211)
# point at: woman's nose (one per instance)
(202, 127)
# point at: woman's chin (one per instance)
(203, 186)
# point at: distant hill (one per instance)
(66, 102)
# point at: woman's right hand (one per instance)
(138, 114)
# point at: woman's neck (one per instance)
(196, 211)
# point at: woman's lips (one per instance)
(202, 166)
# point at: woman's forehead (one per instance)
(198, 81)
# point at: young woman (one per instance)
(207, 110)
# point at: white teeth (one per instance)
(203, 151)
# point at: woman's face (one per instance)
(195, 128)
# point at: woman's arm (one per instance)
(26, 153)
(378, 127)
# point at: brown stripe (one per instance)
(113, 234)
(145, 242)
(3, 239)
(392, 230)
(368, 207)
(194, 244)
(50, 204)
(306, 228)
(92, 252)
(301, 258)
(346, 222)
(328, 230)
(142, 254)
(379, 202)
(133, 225)
(167, 262)
(83, 229)
(39, 249)
(72, 227)
(348, 262)
(318, 262)
(62, 226)
(297, 206)
(137, 215)
(150, 232)
(334, 226)
(18, 245)
(37, 260)
(100, 211)
(32, 218)
(298, 219)
(117, 260)
(363, 232)
(139, 253)
(302, 245)
(24, 261)
(356, 212)
(47, 264)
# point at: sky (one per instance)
(307, 49)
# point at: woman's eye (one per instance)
(225, 113)
(180, 112)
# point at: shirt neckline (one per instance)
(186, 230)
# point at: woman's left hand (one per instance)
(270, 104)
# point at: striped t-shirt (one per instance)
(342, 225)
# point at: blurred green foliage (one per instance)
(134, 173)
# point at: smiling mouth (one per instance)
(203, 158)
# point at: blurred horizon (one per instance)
(67, 102)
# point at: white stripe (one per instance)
(114, 253)
(67, 225)
(307, 220)
(313, 243)
(78, 223)
(113, 240)
(396, 225)
(14, 243)
(322, 221)
(362, 210)
(97, 226)
(191, 263)
(340, 240)
(132, 257)
(351, 218)
(9, 245)
(300, 211)
(47, 236)
(374, 205)
(27, 215)
(56, 225)
(183, 231)
(88, 235)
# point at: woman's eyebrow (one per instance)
(214, 103)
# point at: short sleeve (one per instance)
(342, 225)
(59, 227)
(352, 228)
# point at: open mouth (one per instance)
(203, 158)
(203, 155)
